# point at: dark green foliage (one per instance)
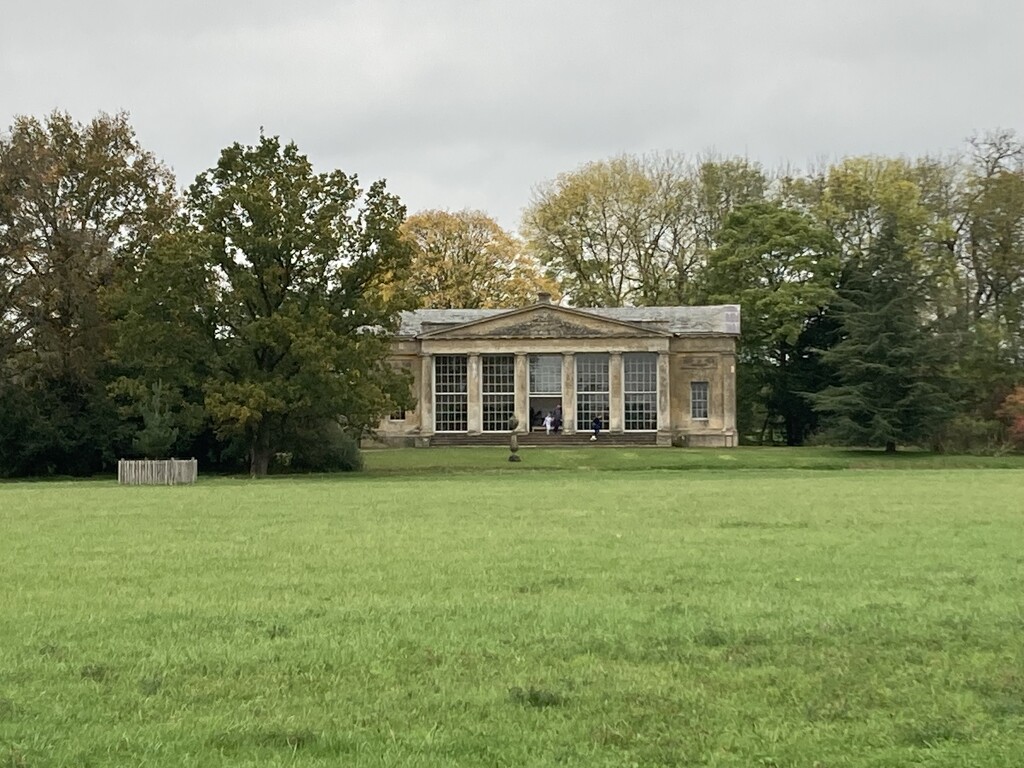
(780, 267)
(325, 447)
(893, 368)
(160, 338)
(157, 436)
(298, 329)
(965, 433)
(79, 203)
(260, 311)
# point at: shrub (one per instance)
(1012, 414)
(969, 434)
(325, 448)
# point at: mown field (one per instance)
(446, 608)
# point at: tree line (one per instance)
(245, 320)
(239, 321)
(881, 297)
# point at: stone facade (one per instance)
(666, 371)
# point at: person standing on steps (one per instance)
(596, 426)
(548, 422)
(556, 418)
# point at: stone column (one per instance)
(426, 400)
(664, 400)
(569, 393)
(616, 399)
(728, 368)
(522, 392)
(474, 405)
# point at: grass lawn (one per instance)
(447, 608)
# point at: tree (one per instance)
(1012, 412)
(635, 230)
(79, 203)
(722, 187)
(990, 245)
(605, 229)
(892, 366)
(158, 434)
(296, 319)
(781, 268)
(165, 336)
(465, 259)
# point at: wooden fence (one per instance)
(163, 472)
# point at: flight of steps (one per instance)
(543, 439)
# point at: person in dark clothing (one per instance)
(557, 419)
(596, 426)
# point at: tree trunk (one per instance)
(890, 446)
(259, 464)
(794, 430)
(260, 452)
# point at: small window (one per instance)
(398, 415)
(699, 400)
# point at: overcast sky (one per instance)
(471, 103)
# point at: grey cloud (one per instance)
(470, 104)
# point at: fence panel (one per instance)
(157, 472)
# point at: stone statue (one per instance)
(513, 443)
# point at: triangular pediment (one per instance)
(544, 321)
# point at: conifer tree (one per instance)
(892, 362)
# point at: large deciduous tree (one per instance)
(781, 268)
(635, 230)
(606, 229)
(465, 259)
(990, 245)
(292, 302)
(79, 204)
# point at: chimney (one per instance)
(543, 297)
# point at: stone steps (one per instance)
(543, 439)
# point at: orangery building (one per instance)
(656, 375)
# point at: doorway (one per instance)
(541, 406)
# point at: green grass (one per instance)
(588, 457)
(556, 615)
